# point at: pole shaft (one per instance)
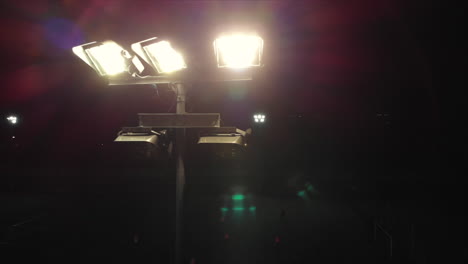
(180, 91)
(180, 172)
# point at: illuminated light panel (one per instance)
(238, 197)
(238, 51)
(238, 209)
(107, 58)
(164, 57)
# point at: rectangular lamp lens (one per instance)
(165, 57)
(238, 51)
(108, 58)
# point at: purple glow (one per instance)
(62, 33)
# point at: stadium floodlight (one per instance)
(238, 51)
(259, 118)
(108, 58)
(13, 120)
(160, 55)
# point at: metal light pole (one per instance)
(180, 172)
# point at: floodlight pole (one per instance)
(180, 171)
(180, 122)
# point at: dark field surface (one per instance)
(127, 215)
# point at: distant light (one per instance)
(12, 119)
(303, 194)
(259, 118)
(309, 187)
(224, 209)
(238, 209)
(108, 58)
(238, 51)
(160, 55)
(13, 137)
(252, 208)
(238, 197)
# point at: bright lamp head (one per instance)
(107, 58)
(238, 51)
(160, 55)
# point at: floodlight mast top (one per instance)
(120, 67)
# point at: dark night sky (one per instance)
(339, 63)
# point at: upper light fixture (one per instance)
(160, 55)
(108, 58)
(238, 51)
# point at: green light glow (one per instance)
(238, 197)
(309, 187)
(252, 208)
(224, 209)
(238, 209)
(301, 193)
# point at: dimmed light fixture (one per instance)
(225, 142)
(144, 143)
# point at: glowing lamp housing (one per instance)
(160, 55)
(108, 58)
(238, 51)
